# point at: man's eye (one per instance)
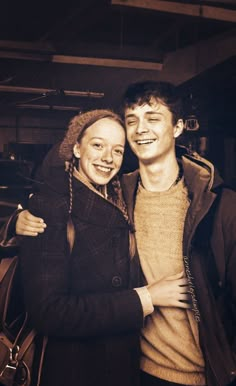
(154, 120)
(131, 122)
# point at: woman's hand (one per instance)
(29, 225)
(171, 291)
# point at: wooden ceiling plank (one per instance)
(25, 56)
(106, 62)
(190, 61)
(189, 9)
(81, 60)
(222, 2)
(28, 46)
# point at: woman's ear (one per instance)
(76, 150)
(179, 127)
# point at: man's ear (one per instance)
(76, 150)
(178, 128)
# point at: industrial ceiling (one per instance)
(72, 56)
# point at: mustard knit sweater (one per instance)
(169, 341)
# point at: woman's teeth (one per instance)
(104, 169)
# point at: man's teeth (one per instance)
(145, 141)
(104, 169)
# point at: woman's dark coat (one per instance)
(209, 247)
(83, 302)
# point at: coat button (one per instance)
(116, 281)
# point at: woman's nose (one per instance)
(107, 156)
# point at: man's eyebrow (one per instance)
(130, 115)
(153, 112)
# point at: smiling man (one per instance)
(169, 200)
(184, 220)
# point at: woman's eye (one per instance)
(119, 151)
(97, 146)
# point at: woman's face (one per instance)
(101, 151)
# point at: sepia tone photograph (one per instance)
(118, 193)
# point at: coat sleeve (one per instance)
(9, 241)
(229, 231)
(225, 236)
(53, 310)
(224, 241)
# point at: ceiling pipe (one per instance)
(48, 107)
(48, 91)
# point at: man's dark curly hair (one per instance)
(149, 92)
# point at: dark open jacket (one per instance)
(82, 301)
(210, 258)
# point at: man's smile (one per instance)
(145, 141)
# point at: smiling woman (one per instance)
(83, 301)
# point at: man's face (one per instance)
(151, 132)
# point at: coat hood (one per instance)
(198, 169)
(200, 176)
(52, 173)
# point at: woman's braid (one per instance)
(115, 195)
(71, 170)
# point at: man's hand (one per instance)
(29, 225)
(171, 291)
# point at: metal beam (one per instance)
(189, 9)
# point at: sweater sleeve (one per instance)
(53, 310)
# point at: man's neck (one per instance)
(159, 177)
